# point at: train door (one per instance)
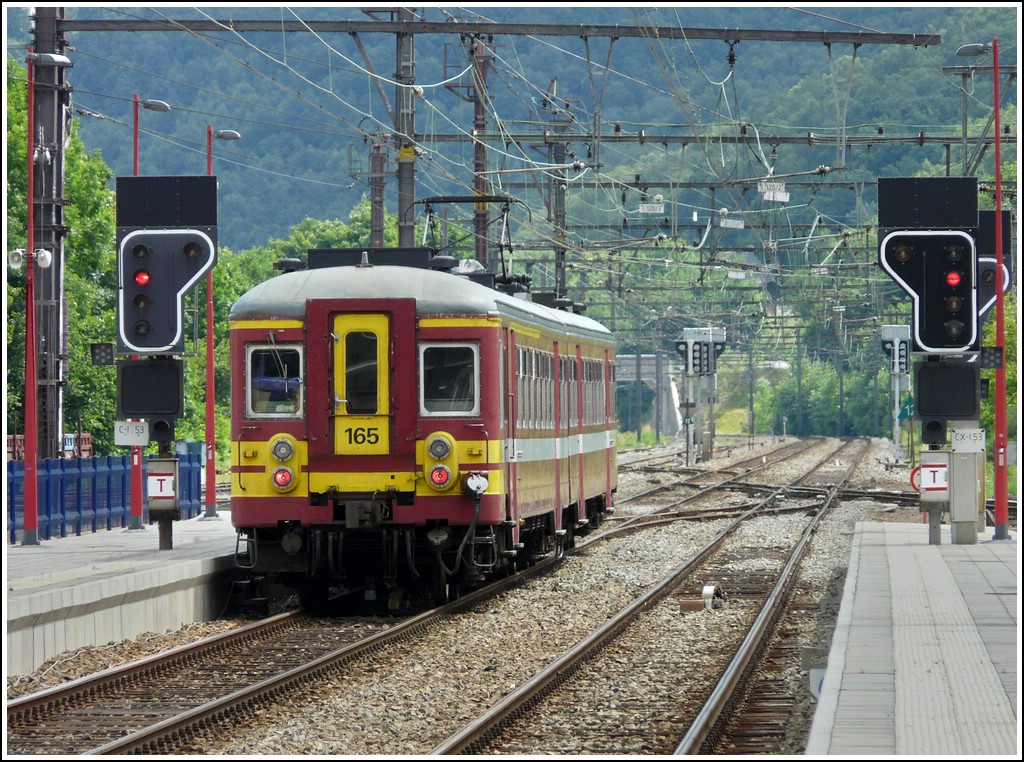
(579, 411)
(361, 382)
(560, 412)
(511, 369)
(608, 395)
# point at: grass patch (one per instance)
(732, 421)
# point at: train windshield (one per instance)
(275, 380)
(449, 374)
(361, 372)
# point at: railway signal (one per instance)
(938, 268)
(152, 388)
(943, 392)
(697, 359)
(156, 268)
(683, 350)
(902, 359)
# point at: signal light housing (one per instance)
(938, 269)
(157, 268)
(683, 350)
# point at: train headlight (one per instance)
(282, 449)
(284, 478)
(439, 448)
(440, 477)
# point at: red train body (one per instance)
(406, 431)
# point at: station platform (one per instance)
(924, 658)
(109, 586)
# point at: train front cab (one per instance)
(391, 445)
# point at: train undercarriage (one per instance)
(394, 567)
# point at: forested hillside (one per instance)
(306, 108)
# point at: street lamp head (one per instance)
(974, 49)
(49, 59)
(227, 135)
(155, 105)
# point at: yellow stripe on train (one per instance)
(266, 324)
(379, 483)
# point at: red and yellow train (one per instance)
(404, 430)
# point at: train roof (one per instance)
(436, 293)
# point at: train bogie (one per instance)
(398, 429)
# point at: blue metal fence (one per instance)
(90, 494)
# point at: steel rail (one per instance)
(709, 719)
(477, 730)
(43, 702)
(163, 735)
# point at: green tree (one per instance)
(989, 340)
(865, 395)
(17, 215)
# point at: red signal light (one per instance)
(953, 278)
(142, 277)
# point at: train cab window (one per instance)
(449, 376)
(361, 372)
(274, 380)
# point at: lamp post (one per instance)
(30, 525)
(211, 427)
(31, 257)
(999, 461)
(135, 496)
(149, 105)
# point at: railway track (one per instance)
(99, 710)
(749, 709)
(706, 501)
(157, 705)
(541, 713)
(705, 479)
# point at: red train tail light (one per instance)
(284, 478)
(440, 477)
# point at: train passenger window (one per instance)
(449, 379)
(274, 380)
(361, 373)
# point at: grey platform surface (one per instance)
(106, 586)
(924, 658)
(96, 554)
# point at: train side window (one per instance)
(449, 376)
(274, 380)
